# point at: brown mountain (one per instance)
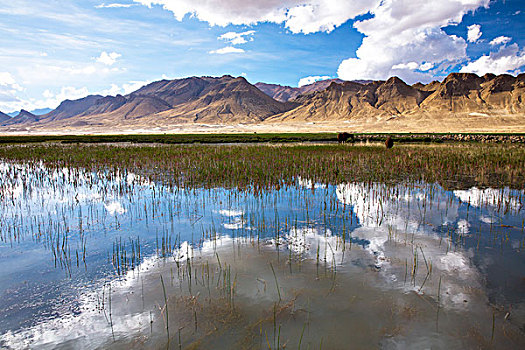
(458, 94)
(288, 93)
(4, 118)
(215, 100)
(469, 93)
(460, 100)
(24, 117)
(68, 109)
(196, 99)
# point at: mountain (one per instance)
(69, 108)
(24, 117)
(459, 94)
(288, 93)
(195, 99)
(461, 100)
(215, 100)
(40, 111)
(4, 118)
(467, 92)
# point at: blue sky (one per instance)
(58, 49)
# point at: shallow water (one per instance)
(112, 259)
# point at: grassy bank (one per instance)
(253, 138)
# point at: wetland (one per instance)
(300, 246)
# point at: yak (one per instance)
(342, 137)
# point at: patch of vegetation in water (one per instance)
(271, 166)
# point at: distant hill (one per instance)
(24, 117)
(460, 99)
(4, 118)
(288, 93)
(39, 111)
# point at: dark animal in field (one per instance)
(389, 143)
(343, 137)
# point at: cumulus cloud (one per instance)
(115, 5)
(473, 33)
(237, 38)
(500, 40)
(113, 90)
(126, 88)
(400, 32)
(509, 59)
(312, 79)
(409, 65)
(8, 83)
(108, 58)
(226, 50)
(9, 89)
(397, 32)
(426, 66)
(52, 100)
(300, 16)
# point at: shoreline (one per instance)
(255, 138)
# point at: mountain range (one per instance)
(39, 111)
(462, 97)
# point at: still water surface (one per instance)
(111, 259)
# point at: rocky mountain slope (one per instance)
(459, 93)
(288, 93)
(196, 99)
(461, 98)
(4, 118)
(24, 117)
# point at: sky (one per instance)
(52, 50)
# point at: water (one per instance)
(103, 259)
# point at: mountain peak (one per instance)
(4, 118)
(24, 113)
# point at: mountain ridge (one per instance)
(229, 100)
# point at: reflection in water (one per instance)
(367, 264)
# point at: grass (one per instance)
(235, 138)
(268, 166)
(253, 168)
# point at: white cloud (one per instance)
(9, 90)
(300, 16)
(237, 38)
(134, 86)
(126, 88)
(409, 65)
(312, 79)
(108, 58)
(112, 91)
(52, 100)
(508, 59)
(426, 66)
(7, 81)
(500, 40)
(116, 5)
(414, 65)
(49, 99)
(473, 33)
(226, 50)
(400, 32)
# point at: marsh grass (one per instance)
(258, 168)
(194, 175)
